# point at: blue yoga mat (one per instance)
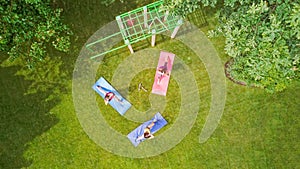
(160, 123)
(119, 107)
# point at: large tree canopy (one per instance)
(27, 27)
(262, 37)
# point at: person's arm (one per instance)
(101, 90)
(151, 136)
(104, 93)
(140, 138)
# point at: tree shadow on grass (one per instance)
(22, 117)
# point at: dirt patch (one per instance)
(228, 75)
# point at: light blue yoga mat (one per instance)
(160, 123)
(120, 107)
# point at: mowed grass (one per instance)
(41, 130)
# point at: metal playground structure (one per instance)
(141, 23)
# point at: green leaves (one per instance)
(32, 1)
(28, 26)
(294, 20)
(62, 43)
(261, 38)
(109, 2)
(37, 51)
(185, 7)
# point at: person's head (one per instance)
(106, 99)
(147, 135)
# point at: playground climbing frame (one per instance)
(141, 23)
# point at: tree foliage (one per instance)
(184, 7)
(28, 27)
(108, 2)
(262, 37)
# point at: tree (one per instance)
(108, 2)
(185, 7)
(262, 37)
(28, 27)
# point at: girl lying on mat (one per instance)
(108, 96)
(147, 134)
(163, 70)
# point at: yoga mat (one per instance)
(160, 123)
(119, 107)
(161, 87)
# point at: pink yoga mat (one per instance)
(161, 80)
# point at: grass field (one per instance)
(39, 127)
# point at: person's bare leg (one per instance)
(159, 79)
(151, 125)
(119, 100)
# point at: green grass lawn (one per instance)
(39, 127)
